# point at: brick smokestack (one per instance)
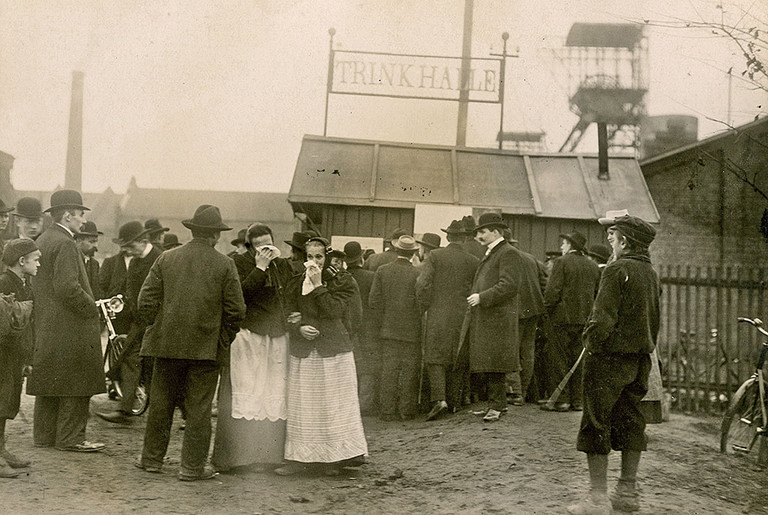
(73, 176)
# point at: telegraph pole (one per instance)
(466, 64)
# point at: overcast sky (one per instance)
(208, 94)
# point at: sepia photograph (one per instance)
(335, 256)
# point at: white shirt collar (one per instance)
(493, 244)
(147, 250)
(66, 229)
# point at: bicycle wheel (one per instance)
(739, 431)
(141, 402)
(111, 355)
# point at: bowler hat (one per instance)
(600, 252)
(635, 229)
(468, 222)
(29, 207)
(488, 220)
(298, 240)
(4, 208)
(405, 242)
(89, 229)
(129, 232)
(578, 240)
(610, 216)
(170, 241)
(335, 253)
(430, 240)
(153, 225)
(66, 199)
(456, 227)
(240, 240)
(206, 217)
(353, 251)
(14, 249)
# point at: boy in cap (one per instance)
(22, 259)
(620, 336)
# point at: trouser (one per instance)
(497, 390)
(518, 381)
(60, 421)
(566, 346)
(399, 386)
(614, 386)
(130, 374)
(367, 365)
(540, 386)
(446, 383)
(193, 383)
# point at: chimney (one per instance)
(73, 176)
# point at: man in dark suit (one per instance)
(367, 351)
(393, 300)
(568, 298)
(494, 340)
(471, 245)
(67, 366)
(442, 288)
(388, 256)
(114, 273)
(192, 303)
(87, 241)
(143, 255)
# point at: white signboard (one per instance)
(433, 217)
(377, 244)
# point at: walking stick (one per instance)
(556, 394)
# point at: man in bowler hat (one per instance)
(87, 241)
(29, 217)
(192, 303)
(67, 364)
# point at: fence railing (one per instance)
(705, 352)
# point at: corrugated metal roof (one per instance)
(612, 35)
(388, 174)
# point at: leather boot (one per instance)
(625, 497)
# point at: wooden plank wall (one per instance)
(539, 235)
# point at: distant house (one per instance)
(710, 214)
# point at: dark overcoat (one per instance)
(382, 258)
(112, 281)
(264, 293)
(67, 358)
(393, 300)
(138, 270)
(494, 341)
(92, 271)
(533, 280)
(442, 289)
(571, 289)
(190, 292)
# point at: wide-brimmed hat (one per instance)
(240, 240)
(14, 249)
(635, 229)
(456, 227)
(610, 216)
(170, 241)
(29, 207)
(4, 208)
(129, 232)
(153, 226)
(578, 240)
(430, 240)
(405, 242)
(63, 199)
(89, 229)
(600, 252)
(490, 220)
(207, 217)
(353, 251)
(298, 240)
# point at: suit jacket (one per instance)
(191, 296)
(533, 280)
(571, 289)
(67, 359)
(444, 283)
(138, 270)
(382, 258)
(494, 340)
(393, 300)
(113, 278)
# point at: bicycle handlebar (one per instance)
(757, 323)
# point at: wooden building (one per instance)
(347, 187)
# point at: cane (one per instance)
(556, 394)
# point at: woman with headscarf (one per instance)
(252, 396)
(324, 424)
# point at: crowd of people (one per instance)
(299, 347)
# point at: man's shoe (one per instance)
(155, 469)
(14, 461)
(208, 473)
(560, 407)
(492, 415)
(594, 504)
(625, 498)
(85, 446)
(7, 472)
(515, 399)
(438, 409)
(116, 417)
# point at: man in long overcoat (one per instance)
(494, 345)
(67, 366)
(442, 289)
(388, 256)
(193, 302)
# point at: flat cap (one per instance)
(17, 248)
(635, 229)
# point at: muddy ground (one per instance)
(525, 463)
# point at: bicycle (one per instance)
(746, 418)
(115, 345)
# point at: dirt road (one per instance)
(525, 463)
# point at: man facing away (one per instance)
(192, 302)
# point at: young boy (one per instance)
(22, 259)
